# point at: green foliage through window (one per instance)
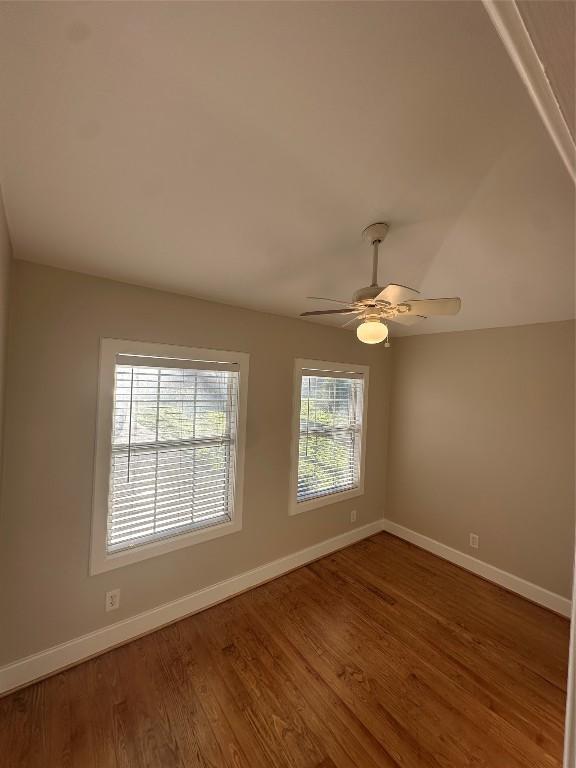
(330, 435)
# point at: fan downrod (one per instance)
(375, 233)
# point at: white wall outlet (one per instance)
(353, 516)
(474, 541)
(112, 600)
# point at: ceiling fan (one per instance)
(374, 306)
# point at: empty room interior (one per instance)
(287, 366)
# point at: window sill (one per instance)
(297, 508)
(112, 560)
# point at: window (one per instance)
(169, 449)
(329, 433)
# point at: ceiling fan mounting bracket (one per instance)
(375, 233)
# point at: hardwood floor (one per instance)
(379, 655)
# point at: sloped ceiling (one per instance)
(235, 151)
(551, 25)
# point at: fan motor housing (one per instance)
(367, 295)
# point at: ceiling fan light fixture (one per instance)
(372, 331)
(394, 302)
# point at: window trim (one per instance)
(100, 559)
(296, 507)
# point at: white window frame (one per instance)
(100, 559)
(323, 367)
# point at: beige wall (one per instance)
(5, 257)
(57, 320)
(482, 441)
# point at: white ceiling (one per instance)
(236, 151)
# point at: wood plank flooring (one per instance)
(380, 655)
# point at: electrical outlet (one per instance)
(474, 541)
(112, 600)
(353, 516)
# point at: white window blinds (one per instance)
(173, 448)
(331, 407)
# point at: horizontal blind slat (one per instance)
(147, 504)
(141, 361)
(145, 537)
(180, 511)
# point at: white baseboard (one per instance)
(58, 657)
(522, 587)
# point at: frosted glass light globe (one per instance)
(372, 332)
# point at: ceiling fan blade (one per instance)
(397, 294)
(327, 312)
(429, 307)
(406, 319)
(323, 298)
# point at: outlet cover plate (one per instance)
(112, 600)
